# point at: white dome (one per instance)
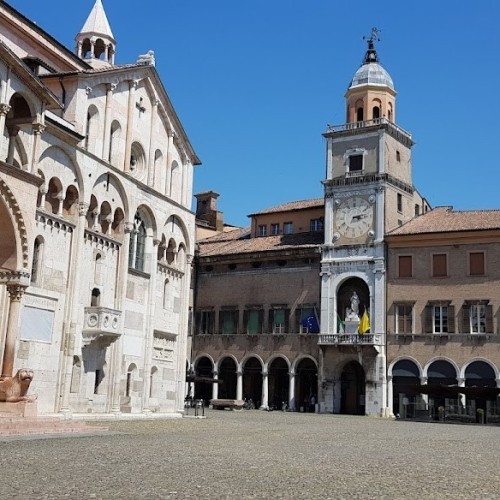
(372, 74)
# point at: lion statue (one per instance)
(14, 389)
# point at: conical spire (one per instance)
(97, 22)
(95, 42)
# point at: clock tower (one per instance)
(368, 192)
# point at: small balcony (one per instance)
(101, 324)
(374, 339)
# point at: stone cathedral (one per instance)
(97, 235)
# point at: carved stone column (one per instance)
(149, 323)
(291, 391)
(16, 292)
(239, 384)
(60, 197)
(168, 168)
(121, 291)
(4, 109)
(70, 331)
(79, 49)
(265, 390)
(38, 129)
(151, 162)
(215, 386)
(107, 119)
(13, 131)
(43, 192)
(461, 397)
(130, 124)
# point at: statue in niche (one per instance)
(352, 313)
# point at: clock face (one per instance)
(354, 217)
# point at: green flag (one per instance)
(340, 325)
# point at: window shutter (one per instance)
(465, 318)
(451, 319)
(270, 321)
(246, 322)
(476, 263)
(287, 318)
(428, 319)
(489, 319)
(439, 265)
(405, 265)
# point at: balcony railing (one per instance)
(366, 124)
(350, 339)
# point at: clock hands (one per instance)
(359, 216)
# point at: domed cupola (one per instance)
(371, 94)
(95, 42)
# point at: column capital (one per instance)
(156, 242)
(83, 207)
(423, 380)
(88, 90)
(4, 109)
(110, 87)
(38, 128)
(133, 84)
(128, 227)
(16, 291)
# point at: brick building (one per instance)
(408, 296)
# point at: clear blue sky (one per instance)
(255, 83)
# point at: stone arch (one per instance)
(14, 247)
(54, 194)
(175, 181)
(474, 360)
(176, 226)
(227, 368)
(405, 358)
(70, 203)
(224, 356)
(92, 128)
(115, 146)
(108, 187)
(278, 370)
(440, 358)
(137, 162)
(252, 367)
(306, 381)
(154, 380)
(37, 259)
(49, 165)
(405, 374)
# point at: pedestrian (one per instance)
(312, 404)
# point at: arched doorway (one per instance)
(352, 389)
(227, 375)
(406, 398)
(481, 393)
(203, 390)
(441, 375)
(279, 383)
(306, 383)
(252, 381)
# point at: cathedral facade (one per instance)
(96, 178)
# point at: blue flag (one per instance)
(311, 323)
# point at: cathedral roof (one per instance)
(97, 22)
(371, 71)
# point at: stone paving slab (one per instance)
(256, 455)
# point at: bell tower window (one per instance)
(355, 163)
(359, 115)
(376, 112)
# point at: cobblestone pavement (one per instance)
(254, 454)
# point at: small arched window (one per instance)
(95, 299)
(359, 115)
(37, 261)
(376, 112)
(137, 244)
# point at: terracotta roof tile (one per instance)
(238, 242)
(293, 205)
(446, 220)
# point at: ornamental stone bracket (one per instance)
(101, 324)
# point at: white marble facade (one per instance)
(97, 235)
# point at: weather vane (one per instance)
(373, 36)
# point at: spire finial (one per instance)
(371, 53)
